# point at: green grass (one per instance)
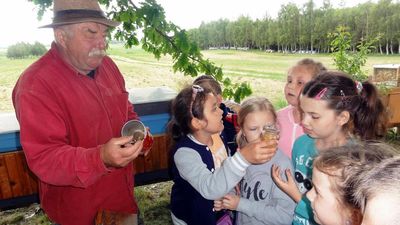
(266, 72)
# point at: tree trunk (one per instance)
(398, 46)
(387, 47)
(391, 46)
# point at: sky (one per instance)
(19, 23)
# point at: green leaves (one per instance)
(346, 59)
(161, 38)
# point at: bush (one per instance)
(24, 50)
(346, 58)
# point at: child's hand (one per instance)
(289, 186)
(218, 205)
(230, 202)
(259, 152)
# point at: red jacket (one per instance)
(64, 118)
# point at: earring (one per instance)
(348, 222)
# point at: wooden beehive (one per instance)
(387, 74)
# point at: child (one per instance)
(229, 116)
(289, 118)
(377, 193)
(195, 118)
(260, 201)
(336, 110)
(333, 173)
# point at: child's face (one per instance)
(253, 124)
(326, 207)
(213, 115)
(296, 79)
(382, 209)
(318, 120)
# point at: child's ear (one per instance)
(197, 124)
(344, 117)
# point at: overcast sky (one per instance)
(19, 22)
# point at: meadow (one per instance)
(266, 73)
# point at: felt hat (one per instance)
(78, 11)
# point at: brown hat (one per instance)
(78, 11)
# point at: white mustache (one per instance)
(97, 52)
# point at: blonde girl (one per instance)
(336, 112)
(260, 200)
(289, 118)
(196, 116)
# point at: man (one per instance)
(71, 105)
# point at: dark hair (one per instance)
(367, 112)
(209, 82)
(313, 66)
(184, 108)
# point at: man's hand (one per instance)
(118, 152)
(259, 152)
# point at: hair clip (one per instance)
(342, 93)
(321, 94)
(195, 89)
(359, 86)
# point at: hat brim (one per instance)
(107, 22)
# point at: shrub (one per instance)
(24, 50)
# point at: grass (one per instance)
(266, 73)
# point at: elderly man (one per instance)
(71, 105)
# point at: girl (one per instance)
(260, 201)
(195, 118)
(336, 110)
(333, 174)
(289, 117)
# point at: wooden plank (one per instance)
(5, 187)
(164, 153)
(393, 105)
(22, 178)
(13, 174)
(155, 154)
(29, 187)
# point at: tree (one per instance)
(162, 38)
(347, 60)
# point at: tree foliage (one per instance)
(305, 28)
(162, 38)
(347, 60)
(25, 50)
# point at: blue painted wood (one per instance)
(9, 141)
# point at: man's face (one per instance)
(85, 45)
(382, 209)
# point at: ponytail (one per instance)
(367, 112)
(370, 118)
